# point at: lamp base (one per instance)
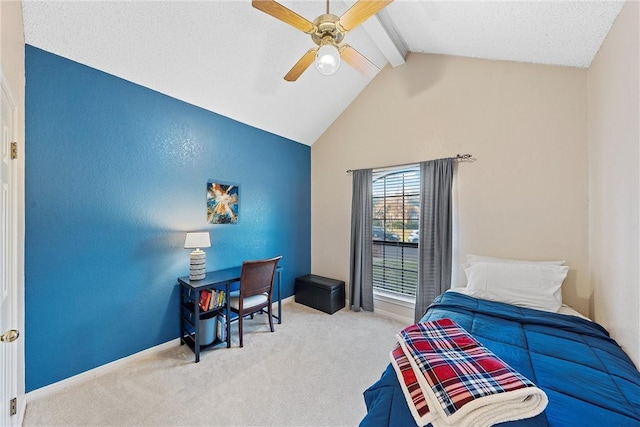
(197, 265)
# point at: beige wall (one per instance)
(525, 196)
(12, 69)
(614, 190)
(12, 45)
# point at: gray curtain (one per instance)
(435, 248)
(361, 269)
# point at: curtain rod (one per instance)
(458, 158)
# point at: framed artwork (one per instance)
(222, 203)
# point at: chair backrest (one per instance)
(256, 277)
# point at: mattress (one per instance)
(587, 377)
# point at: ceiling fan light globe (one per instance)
(327, 60)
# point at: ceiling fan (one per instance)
(327, 31)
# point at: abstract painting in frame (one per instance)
(222, 203)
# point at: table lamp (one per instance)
(198, 258)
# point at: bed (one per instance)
(587, 377)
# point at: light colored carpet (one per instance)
(310, 372)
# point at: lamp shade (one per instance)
(197, 240)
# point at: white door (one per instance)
(8, 261)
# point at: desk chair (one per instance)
(256, 285)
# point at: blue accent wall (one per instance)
(116, 175)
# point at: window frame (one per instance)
(404, 199)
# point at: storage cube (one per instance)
(321, 293)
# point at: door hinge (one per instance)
(14, 150)
(13, 406)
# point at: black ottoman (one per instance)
(320, 293)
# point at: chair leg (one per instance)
(240, 328)
(270, 316)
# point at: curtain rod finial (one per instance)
(465, 158)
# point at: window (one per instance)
(396, 208)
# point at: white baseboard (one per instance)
(284, 301)
(395, 316)
(99, 371)
(110, 367)
(394, 307)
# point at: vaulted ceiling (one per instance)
(230, 58)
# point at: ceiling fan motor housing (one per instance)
(327, 27)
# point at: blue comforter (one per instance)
(587, 377)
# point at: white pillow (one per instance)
(526, 285)
(481, 258)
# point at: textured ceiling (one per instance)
(230, 58)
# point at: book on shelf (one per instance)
(205, 299)
(211, 299)
(214, 299)
(221, 327)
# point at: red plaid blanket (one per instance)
(449, 378)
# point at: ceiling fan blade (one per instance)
(280, 12)
(302, 64)
(358, 61)
(360, 12)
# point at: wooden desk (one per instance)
(190, 309)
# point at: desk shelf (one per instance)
(190, 340)
(188, 336)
